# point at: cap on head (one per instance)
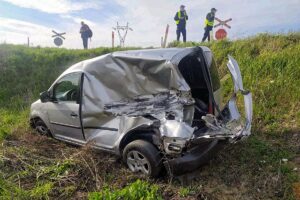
(82, 22)
(182, 6)
(213, 10)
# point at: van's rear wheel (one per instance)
(142, 156)
(41, 128)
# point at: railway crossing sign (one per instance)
(221, 33)
(223, 23)
(58, 38)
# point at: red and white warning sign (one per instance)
(221, 33)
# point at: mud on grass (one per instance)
(35, 167)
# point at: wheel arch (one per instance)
(149, 135)
(33, 120)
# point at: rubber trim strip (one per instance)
(101, 127)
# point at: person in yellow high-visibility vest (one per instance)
(209, 24)
(180, 19)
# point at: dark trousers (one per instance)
(206, 33)
(85, 42)
(179, 31)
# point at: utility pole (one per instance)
(124, 30)
(28, 42)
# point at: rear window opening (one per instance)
(190, 69)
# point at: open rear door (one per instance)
(229, 124)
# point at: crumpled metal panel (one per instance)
(235, 74)
(238, 87)
(130, 123)
(151, 104)
(131, 84)
(176, 129)
(233, 125)
(114, 78)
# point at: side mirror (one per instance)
(44, 96)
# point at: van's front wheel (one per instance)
(142, 156)
(41, 128)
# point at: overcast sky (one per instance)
(36, 19)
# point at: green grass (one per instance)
(136, 190)
(270, 65)
(12, 119)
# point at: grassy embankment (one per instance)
(33, 167)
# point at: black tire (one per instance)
(149, 152)
(41, 128)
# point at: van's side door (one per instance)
(63, 110)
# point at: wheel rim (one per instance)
(41, 129)
(137, 162)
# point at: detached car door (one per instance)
(63, 111)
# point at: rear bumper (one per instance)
(195, 157)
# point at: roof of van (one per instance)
(173, 55)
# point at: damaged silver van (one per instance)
(156, 108)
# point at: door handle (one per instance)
(74, 115)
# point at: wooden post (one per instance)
(211, 35)
(166, 36)
(113, 39)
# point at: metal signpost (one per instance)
(58, 38)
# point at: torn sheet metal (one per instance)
(116, 79)
(165, 102)
(160, 106)
(235, 74)
(238, 85)
(233, 126)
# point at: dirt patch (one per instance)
(296, 189)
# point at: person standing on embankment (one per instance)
(86, 33)
(180, 19)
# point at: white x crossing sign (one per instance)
(58, 38)
(223, 23)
